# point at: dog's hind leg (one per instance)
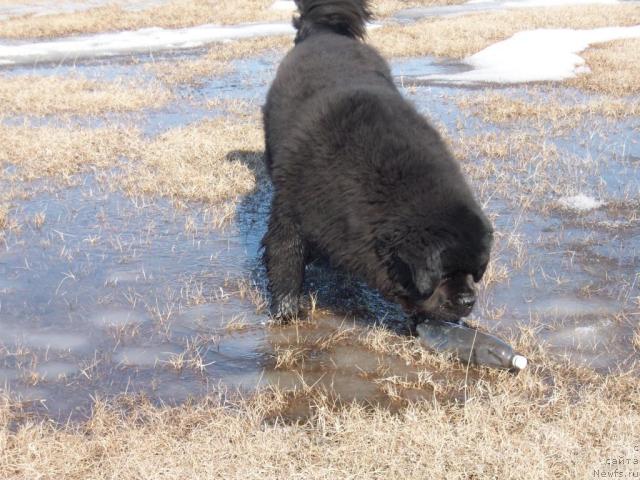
(284, 256)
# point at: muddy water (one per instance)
(111, 295)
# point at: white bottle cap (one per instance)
(519, 362)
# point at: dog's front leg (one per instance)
(284, 254)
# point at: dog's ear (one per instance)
(478, 274)
(484, 256)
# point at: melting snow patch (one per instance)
(535, 56)
(284, 5)
(580, 202)
(138, 41)
(18, 9)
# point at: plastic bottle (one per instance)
(469, 345)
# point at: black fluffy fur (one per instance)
(344, 17)
(359, 175)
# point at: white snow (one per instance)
(284, 5)
(137, 41)
(535, 55)
(43, 7)
(580, 202)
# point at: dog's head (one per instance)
(433, 266)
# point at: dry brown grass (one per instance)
(43, 95)
(615, 69)
(385, 8)
(174, 14)
(237, 108)
(547, 109)
(509, 428)
(4, 216)
(40, 152)
(636, 340)
(217, 60)
(213, 161)
(459, 37)
(516, 166)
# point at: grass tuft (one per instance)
(553, 111)
(45, 95)
(614, 68)
(212, 161)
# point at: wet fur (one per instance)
(360, 176)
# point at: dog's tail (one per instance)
(345, 17)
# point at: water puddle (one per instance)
(112, 296)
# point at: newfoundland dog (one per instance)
(361, 177)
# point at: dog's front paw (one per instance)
(285, 308)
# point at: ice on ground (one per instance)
(115, 277)
(137, 41)
(117, 318)
(6, 286)
(580, 337)
(565, 306)
(535, 56)
(64, 341)
(145, 356)
(53, 371)
(580, 202)
(7, 375)
(284, 5)
(44, 340)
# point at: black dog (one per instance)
(362, 178)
